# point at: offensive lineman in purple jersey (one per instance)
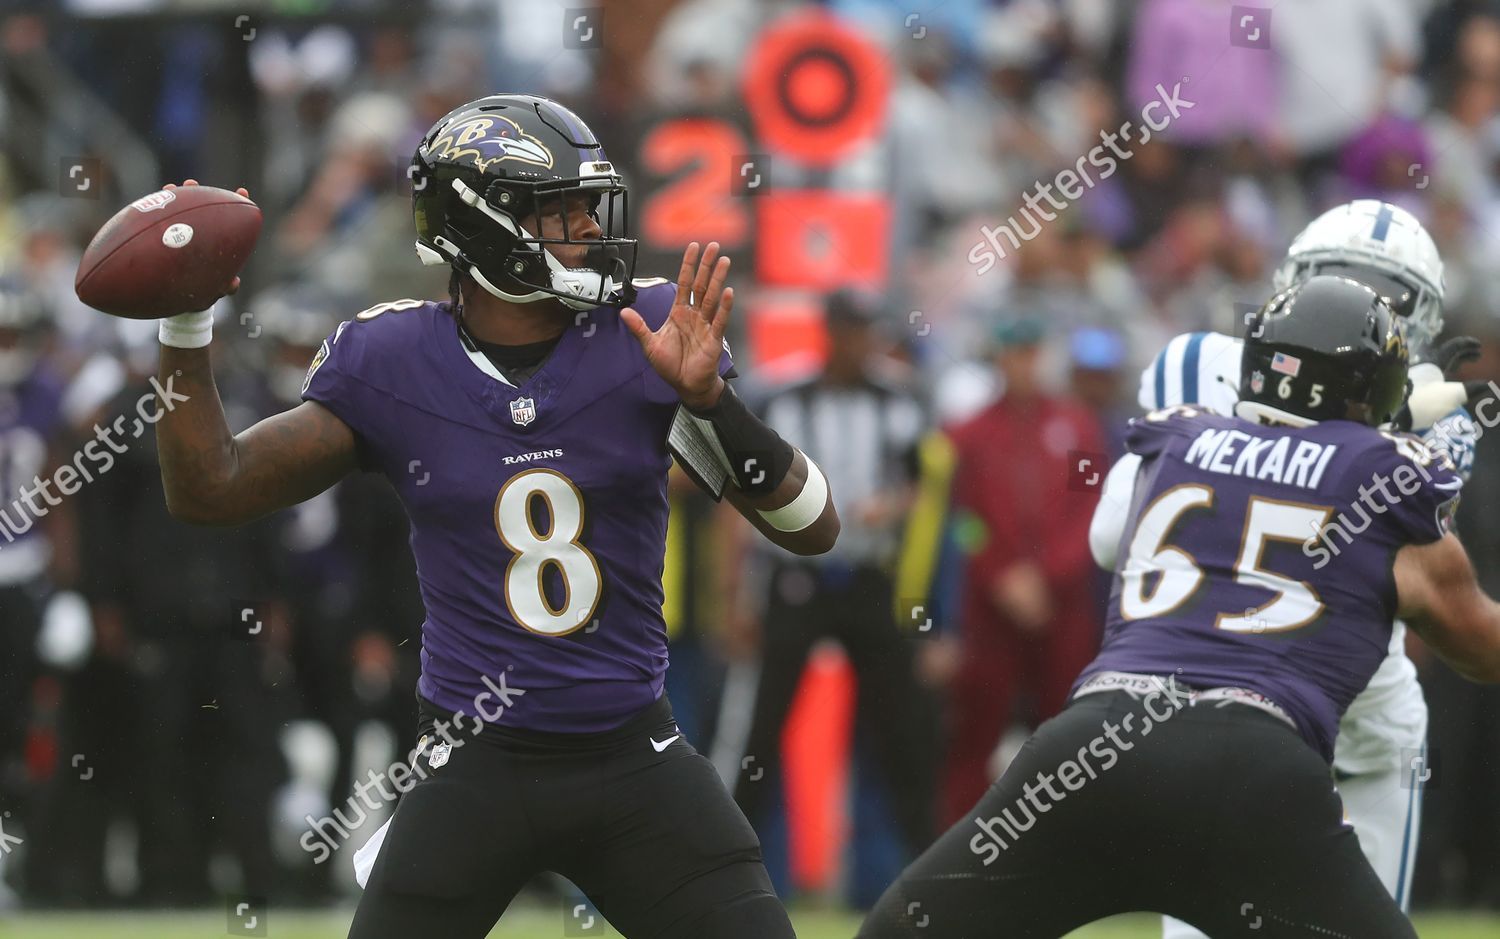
(526, 425)
(1265, 558)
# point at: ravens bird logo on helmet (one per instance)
(488, 140)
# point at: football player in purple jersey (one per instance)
(36, 540)
(1256, 580)
(527, 423)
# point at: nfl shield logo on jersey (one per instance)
(1257, 381)
(439, 754)
(523, 411)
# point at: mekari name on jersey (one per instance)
(1271, 610)
(1284, 460)
(538, 511)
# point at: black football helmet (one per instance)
(494, 161)
(1318, 347)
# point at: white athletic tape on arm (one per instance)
(806, 508)
(187, 330)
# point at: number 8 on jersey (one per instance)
(525, 588)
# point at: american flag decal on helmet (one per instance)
(1286, 364)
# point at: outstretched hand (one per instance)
(685, 350)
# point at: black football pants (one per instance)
(634, 817)
(1219, 815)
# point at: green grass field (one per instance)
(538, 924)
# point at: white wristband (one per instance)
(187, 330)
(806, 508)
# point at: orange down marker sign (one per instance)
(818, 91)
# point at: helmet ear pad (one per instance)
(488, 245)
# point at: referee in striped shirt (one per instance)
(863, 430)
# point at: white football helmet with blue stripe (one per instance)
(1381, 245)
(1195, 368)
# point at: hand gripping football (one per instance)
(173, 251)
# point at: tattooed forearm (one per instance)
(215, 478)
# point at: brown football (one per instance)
(174, 251)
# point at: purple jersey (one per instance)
(1261, 557)
(30, 416)
(538, 511)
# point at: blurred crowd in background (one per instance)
(175, 702)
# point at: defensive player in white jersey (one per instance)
(1379, 761)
